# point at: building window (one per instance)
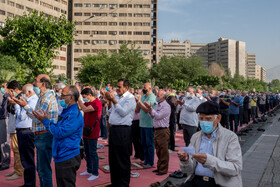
(99, 42)
(138, 42)
(122, 33)
(99, 32)
(129, 33)
(122, 41)
(137, 15)
(87, 14)
(137, 33)
(78, 14)
(99, 23)
(2, 12)
(86, 50)
(11, 3)
(146, 15)
(78, 5)
(87, 5)
(129, 23)
(123, 5)
(56, 9)
(99, 14)
(137, 23)
(113, 23)
(62, 49)
(129, 15)
(112, 42)
(113, 6)
(129, 5)
(146, 33)
(77, 50)
(94, 50)
(113, 14)
(146, 24)
(62, 58)
(146, 6)
(122, 14)
(9, 14)
(138, 6)
(64, 2)
(63, 11)
(87, 23)
(22, 7)
(113, 32)
(146, 42)
(122, 24)
(86, 32)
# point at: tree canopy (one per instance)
(33, 40)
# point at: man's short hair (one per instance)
(87, 91)
(74, 91)
(46, 81)
(126, 82)
(14, 85)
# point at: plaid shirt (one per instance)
(47, 102)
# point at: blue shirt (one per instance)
(23, 120)
(241, 98)
(226, 99)
(233, 109)
(67, 133)
(206, 146)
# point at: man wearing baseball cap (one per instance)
(218, 159)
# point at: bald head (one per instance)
(148, 87)
(43, 82)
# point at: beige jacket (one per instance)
(226, 162)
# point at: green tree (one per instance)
(177, 69)
(33, 40)
(10, 69)
(275, 85)
(101, 68)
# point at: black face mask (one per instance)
(144, 91)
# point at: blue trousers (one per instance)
(91, 156)
(43, 144)
(147, 141)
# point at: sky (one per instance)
(256, 22)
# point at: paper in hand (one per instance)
(190, 150)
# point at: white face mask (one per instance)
(188, 94)
(197, 95)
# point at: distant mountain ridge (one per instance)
(273, 73)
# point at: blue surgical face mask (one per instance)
(205, 95)
(107, 89)
(63, 104)
(36, 90)
(3, 90)
(86, 100)
(206, 126)
(237, 95)
(158, 100)
(223, 93)
(15, 94)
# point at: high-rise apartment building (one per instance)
(55, 8)
(260, 73)
(114, 23)
(201, 50)
(175, 47)
(251, 65)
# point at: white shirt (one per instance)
(123, 112)
(188, 114)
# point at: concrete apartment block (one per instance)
(251, 65)
(260, 73)
(55, 8)
(241, 58)
(114, 23)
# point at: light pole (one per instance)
(73, 44)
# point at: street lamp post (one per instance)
(73, 43)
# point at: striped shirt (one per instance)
(47, 102)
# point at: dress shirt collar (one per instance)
(123, 95)
(32, 97)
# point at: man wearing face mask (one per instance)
(161, 115)
(188, 116)
(147, 124)
(43, 138)
(25, 135)
(224, 102)
(59, 88)
(67, 134)
(218, 158)
(92, 109)
(200, 96)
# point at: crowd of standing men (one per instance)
(57, 119)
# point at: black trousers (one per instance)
(26, 151)
(136, 140)
(172, 138)
(241, 111)
(198, 182)
(120, 148)
(65, 172)
(225, 118)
